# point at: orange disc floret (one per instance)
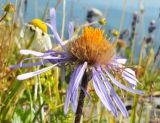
(92, 47)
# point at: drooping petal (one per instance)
(71, 30)
(78, 77)
(115, 97)
(106, 100)
(29, 64)
(129, 79)
(130, 71)
(70, 88)
(31, 74)
(74, 100)
(121, 85)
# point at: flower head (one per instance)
(92, 47)
(40, 24)
(89, 51)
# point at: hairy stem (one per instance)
(84, 84)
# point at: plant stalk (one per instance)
(84, 84)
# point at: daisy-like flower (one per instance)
(35, 36)
(89, 52)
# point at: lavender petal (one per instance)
(106, 99)
(70, 88)
(121, 85)
(31, 74)
(78, 77)
(71, 30)
(29, 64)
(115, 97)
(31, 52)
(53, 18)
(58, 39)
(74, 100)
(129, 79)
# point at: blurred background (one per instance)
(76, 10)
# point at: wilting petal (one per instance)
(31, 74)
(70, 88)
(102, 93)
(115, 97)
(31, 52)
(71, 30)
(29, 64)
(121, 85)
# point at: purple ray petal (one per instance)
(106, 100)
(129, 78)
(78, 77)
(31, 74)
(53, 27)
(130, 71)
(74, 100)
(53, 18)
(29, 64)
(115, 97)
(121, 85)
(57, 37)
(71, 30)
(31, 52)
(70, 88)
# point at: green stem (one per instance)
(31, 103)
(40, 98)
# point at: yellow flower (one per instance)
(40, 24)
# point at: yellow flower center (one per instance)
(40, 24)
(92, 47)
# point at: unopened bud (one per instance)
(10, 8)
(102, 21)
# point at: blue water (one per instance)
(112, 10)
